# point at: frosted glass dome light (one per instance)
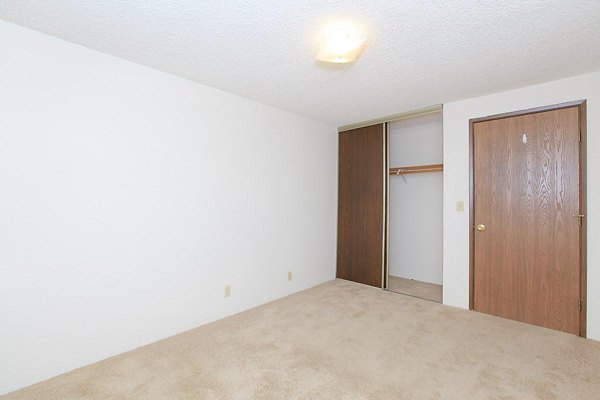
(341, 42)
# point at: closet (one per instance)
(390, 205)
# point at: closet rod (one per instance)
(417, 169)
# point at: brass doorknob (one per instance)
(481, 227)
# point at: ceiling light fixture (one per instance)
(341, 42)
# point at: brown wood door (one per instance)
(526, 188)
(361, 205)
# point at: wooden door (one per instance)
(361, 194)
(527, 236)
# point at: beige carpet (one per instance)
(424, 290)
(342, 340)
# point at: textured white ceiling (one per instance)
(419, 53)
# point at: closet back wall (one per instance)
(415, 205)
(131, 197)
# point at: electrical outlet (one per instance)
(227, 291)
(460, 206)
(289, 275)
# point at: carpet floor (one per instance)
(411, 287)
(342, 340)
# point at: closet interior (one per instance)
(414, 206)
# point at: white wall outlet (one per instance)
(227, 291)
(289, 275)
(460, 206)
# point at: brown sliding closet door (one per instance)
(361, 214)
(528, 238)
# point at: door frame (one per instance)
(581, 105)
(386, 206)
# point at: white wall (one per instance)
(130, 198)
(415, 205)
(456, 179)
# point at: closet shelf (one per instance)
(416, 169)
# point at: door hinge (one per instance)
(580, 305)
(580, 135)
(580, 217)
